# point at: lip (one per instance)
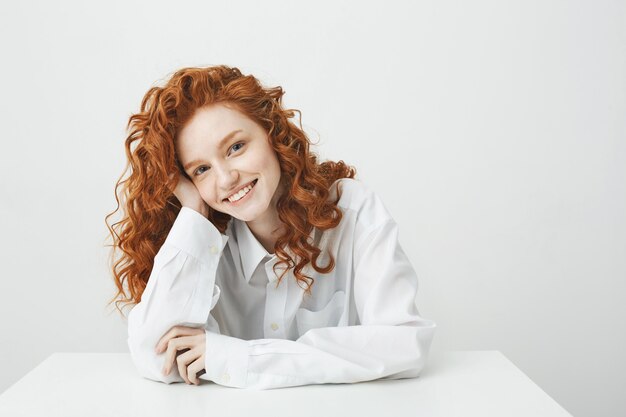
(245, 197)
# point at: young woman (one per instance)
(249, 263)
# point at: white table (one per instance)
(458, 383)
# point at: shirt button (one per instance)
(225, 378)
(274, 326)
(213, 249)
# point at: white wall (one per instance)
(494, 131)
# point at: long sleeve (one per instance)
(392, 340)
(181, 290)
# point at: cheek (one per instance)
(207, 194)
(268, 161)
(275, 166)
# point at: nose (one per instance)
(227, 177)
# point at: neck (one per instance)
(268, 227)
(266, 232)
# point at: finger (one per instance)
(173, 346)
(169, 366)
(169, 339)
(195, 369)
(183, 362)
(175, 331)
(183, 374)
(182, 369)
(163, 341)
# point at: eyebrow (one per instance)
(219, 146)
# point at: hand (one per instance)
(189, 196)
(191, 341)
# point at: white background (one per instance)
(494, 131)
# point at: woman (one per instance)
(249, 263)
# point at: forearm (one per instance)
(327, 355)
(181, 290)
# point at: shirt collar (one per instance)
(251, 252)
(250, 249)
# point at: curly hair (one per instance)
(150, 207)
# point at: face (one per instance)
(223, 151)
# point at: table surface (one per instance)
(455, 383)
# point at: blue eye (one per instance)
(239, 143)
(196, 173)
(203, 166)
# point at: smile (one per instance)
(241, 194)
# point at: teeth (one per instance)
(241, 193)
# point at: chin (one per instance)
(243, 217)
(250, 214)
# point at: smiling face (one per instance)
(223, 151)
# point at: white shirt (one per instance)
(361, 322)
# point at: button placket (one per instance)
(275, 304)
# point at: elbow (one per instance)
(422, 341)
(423, 335)
(413, 367)
(411, 359)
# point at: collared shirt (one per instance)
(360, 323)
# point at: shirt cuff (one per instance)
(226, 360)
(196, 235)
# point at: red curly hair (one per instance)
(150, 207)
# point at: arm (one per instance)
(180, 290)
(392, 340)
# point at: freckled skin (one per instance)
(243, 158)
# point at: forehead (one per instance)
(209, 125)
